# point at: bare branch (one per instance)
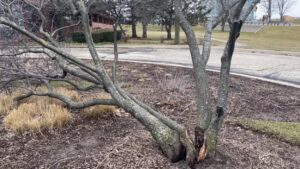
(65, 27)
(69, 103)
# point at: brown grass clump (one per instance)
(35, 117)
(6, 104)
(99, 112)
(72, 94)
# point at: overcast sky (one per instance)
(294, 11)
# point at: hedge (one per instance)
(104, 36)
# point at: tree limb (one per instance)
(69, 103)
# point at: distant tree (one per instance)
(167, 17)
(222, 8)
(115, 8)
(223, 11)
(147, 10)
(132, 6)
(268, 5)
(195, 11)
(283, 7)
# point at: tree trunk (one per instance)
(167, 139)
(169, 31)
(61, 23)
(270, 11)
(122, 30)
(145, 25)
(217, 120)
(223, 26)
(281, 18)
(177, 31)
(133, 26)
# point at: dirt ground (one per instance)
(121, 142)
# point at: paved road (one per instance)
(264, 64)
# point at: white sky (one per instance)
(294, 11)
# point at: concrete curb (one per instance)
(214, 70)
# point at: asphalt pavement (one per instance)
(274, 66)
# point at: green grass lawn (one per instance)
(274, 38)
(296, 21)
(155, 34)
(269, 38)
(287, 131)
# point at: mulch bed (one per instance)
(121, 142)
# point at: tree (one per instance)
(167, 17)
(193, 10)
(173, 138)
(268, 6)
(132, 6)
(283, 7)
(146, 11)
(223, 9)
(113, 7)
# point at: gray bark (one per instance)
(116, 53)
(145, 35)
(177, 31)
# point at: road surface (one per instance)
(277, 66)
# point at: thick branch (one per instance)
(45, 44)
(65, 27)
(199, 65)
(69, 103)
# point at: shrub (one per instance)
(174, 83)
(34, 117)
(100, 36)
(78, 37)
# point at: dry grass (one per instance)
(37, 113)
(6, 103)
(174, 83)
(100, 111)
(34, 117)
